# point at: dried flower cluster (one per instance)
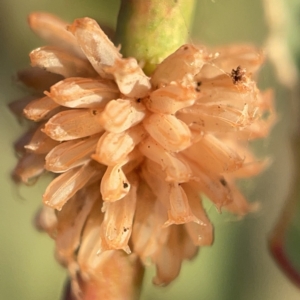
(134, 154)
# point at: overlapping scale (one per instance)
(170, 98)
(171, 133)
(73, 124)
(79, 92)
(56, 60)
(121, 114)
(94, 43)
(70, 154)
(113, 148)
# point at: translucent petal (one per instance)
(221, 91)
(168, 259)
(213, 185)
(252, 168)
(176, 170)
(130, 78)
(63, 187)
(112, 148)
(46, 220)
(179, 210)
(229, 57)
(118, 220)
(88, 255)
(148, 235)
(188, 249)
(58, 61)
(239, 205)
(71, 220)
(154, 177)
(73, 124)
(114, 184)
(40, 143)
(213, 154)
(83, 92)
(38, 79)
(40, 109)
(172, 195)
(211, 123)
(19, 145)
(29, 166)
(169, 99)
(133, 161)
(184, 62)
(17, 106)
(200, 233)
(171, 133)
(54, 31)
(70, 154)
(97, 47)
(121, 114)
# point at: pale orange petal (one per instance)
(130, 78)
(215, 155)
(46, 220)
(168, 259)
(40, 143)
(114, 184)
(58, 61)
(179, 210)
(70, 154)
(175, 169)
(31, 165)
(239, 205)
(118, 219)
(148, 235)
(112, 148)
(70, 222)
(40, 109)
(121, 114)
(89, 252)
(169, 99)
(18, 106)
(38, 79)
(54, 31)
(186, 61)
(19, 145)
(73, 124)
(63, 187)
(214, 186)
(83, 92)
(99, 50)
(171, 133)
(200, 233)
(229, 57)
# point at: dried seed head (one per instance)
(135, 153)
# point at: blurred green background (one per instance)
(238, 265)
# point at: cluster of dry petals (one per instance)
(132, 155)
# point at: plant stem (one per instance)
(150, 30)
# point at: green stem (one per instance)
(150, 30)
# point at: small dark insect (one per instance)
(223, 182)
(238, 74)
(198, 84)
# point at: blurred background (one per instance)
(238, 265)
